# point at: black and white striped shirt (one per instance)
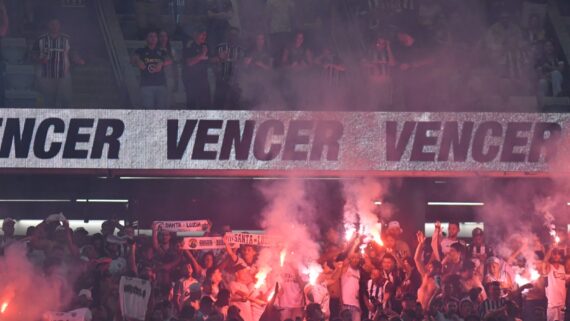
(56, 50)
(492, 305)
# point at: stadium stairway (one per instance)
(94, 84)
(559, 14)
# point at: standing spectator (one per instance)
(551, 67)
(350, 286)
(53, 53)
(556, 284)
(228, 53)
(291, 293)
(497, 273)
(430, 272)
(495, 306)
(258, 65)
(297, 57)
(401, 249)
(379, 66)
(147, 14)
(151, 61)
(374, 293)
(451, 238)
(8, 230)
(171, 71)
(195, 71)
(4, 22)
(241, 290)
(478, 250)
(412, 279)
(184, 287)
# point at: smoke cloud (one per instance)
(290, 217)
(26, 290)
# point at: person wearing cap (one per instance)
(555, 272)
(8, 232)
(401, 248)
(496, 273)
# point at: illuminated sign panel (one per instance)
(253, 143)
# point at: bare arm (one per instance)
(229, 249)
(73, 249)
(132, 259)
(419, 253)
(435, 240)
(546, 261)
(197, 267)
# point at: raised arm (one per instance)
(546, 261)
(229, 249)
(418, 256)
(435, 240)
(197, 267)
(69, 238)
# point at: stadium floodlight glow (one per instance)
(22, 200)
(455, 203)
(99, 200)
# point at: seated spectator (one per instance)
(151, 60)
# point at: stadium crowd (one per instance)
(406, 53)
(376, 55)
(438, 278)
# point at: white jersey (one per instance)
(556, 287)
(319, 294)
(350, 285)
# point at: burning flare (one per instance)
(349, 231)
(533, 275)
(3, 307)
(552, 233)
(270, 296)
(375, 232)
(261, 276)
(313, 272)
(282, 256)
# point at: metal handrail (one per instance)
(117, 49)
